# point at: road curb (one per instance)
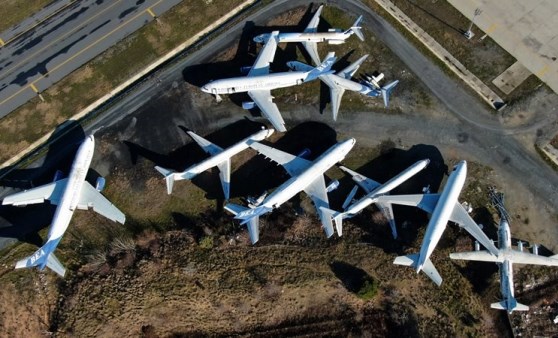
(487, 94)
(124, 86)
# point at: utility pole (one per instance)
(469, 33)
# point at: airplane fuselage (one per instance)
(72, 192)
(383, 189)
(222, 156)
(442, 212)
(298, 183)
(331, 37)
(506, 266)
(351, 85)
(260, 82)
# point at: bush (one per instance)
(206, 242)
(369, 289)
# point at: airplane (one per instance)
(341, 81)
(68, 194)
(258, 82)
(443, 207)
(505, 257)
(220, 158)
(305, 175)
(310, 37)
(373, 190)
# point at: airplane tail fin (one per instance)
(323, 68)
(41, 258)
(386, 91)
(169, 177)
(337, 219)
(510, 306)
(428, 268)
(356, 28)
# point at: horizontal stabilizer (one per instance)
(431, 272)
(409, 260)
(42, 258)
(169, 177)
(386, 91)
(357, 29)
(337, 218)
(253, 223)
(246, 215)
(324, 68)
(515, 306)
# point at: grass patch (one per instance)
(15, 11)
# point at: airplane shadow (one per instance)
(391, 162)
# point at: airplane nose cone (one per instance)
(205, 89)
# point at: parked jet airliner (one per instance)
(220, 158)
(258, 83)
(305, 175)
(310, 37)
(505, 257)
(68, 194)
(373, 191)
(444, 207)
(341, 81)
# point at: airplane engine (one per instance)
(244, 70)
(333, 30)
(520, 245)
(477, 246)
(335, 42)
(535, 249)
(248, 105)
(332, 186)
(100, 184)
(58, 175)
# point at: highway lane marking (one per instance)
(151, 12)
(543, 71)
(77, 54)
(78, 27)
(37, 23)
(32, 85)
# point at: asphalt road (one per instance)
(50, 51)
(469, 129)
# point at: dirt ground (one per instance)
(181, 266)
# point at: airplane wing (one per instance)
(264, 100)
(426, 202)
(207, 146)
(481, 255)
(350, 70)
(461, 217)
(225, 176)
(387, 210)
(294, 165)
(52, 192)
(261, 66)
(317, 192)
(313, 25)
(312, 49)
(335, 92)
(364, 182)
(520, 257)
(91, 198)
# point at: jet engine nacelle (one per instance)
(520, 245)
(332, 186)
(535, 249)
(477, 246)
(335, 42)
(245, 69)
(334, 30)
(248, 105)
(58, 175)
(100, 184)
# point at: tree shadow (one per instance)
(353, 278)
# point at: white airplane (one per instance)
(258, 82)
(341, 81)
(305, 175)
(373, 190)
(220, 158)
(310, 37)
(68, 194)
(444, 207)
(505, 257)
